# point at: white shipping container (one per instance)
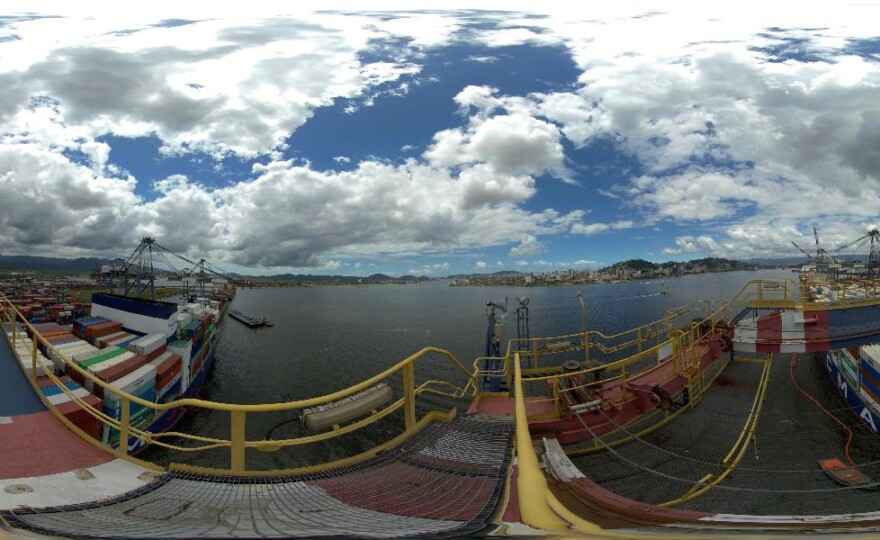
(44, 365)
(142, 377)
(86, 354)
(871, 353)
(147, 344)
(185, 353)
(107, 364)
(73, 344)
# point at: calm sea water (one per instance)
(327, 338)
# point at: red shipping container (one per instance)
(103, 329)
(167, 370)
(75, 412)
(157, 353)
(59, 337)
(102, 341)
(117, 372)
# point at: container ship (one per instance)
(855, 372)
(157, 351)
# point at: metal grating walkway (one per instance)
(447, 480)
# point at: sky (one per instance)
(437, 138)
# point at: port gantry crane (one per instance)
(821, 261)
(137, 271)
(871, 239)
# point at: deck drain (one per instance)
(84, 474)
(15, 489)
(148, 476)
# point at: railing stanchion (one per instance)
(236, 438)
(409, 395)
(34, 356)
(124, 421)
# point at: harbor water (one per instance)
(328, 338)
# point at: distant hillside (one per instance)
(502, 273)
(50, 264)
(711, 264)
(374, 278)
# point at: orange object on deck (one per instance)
(848, 475)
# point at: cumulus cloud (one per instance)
(721, 127)
(221, 86)
(481, 264)
(513, 143)
(49, 202)
(595, 228)
(690, 244)
(528, 245)
(430, 269)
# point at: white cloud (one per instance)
(690, 244)
(753, 151)
(515, 36)
(514, 143)
(595, 228)
(481, 264)
(482, 59)
(528, 245)
(219, 85)
(342, 159)
(430, 269)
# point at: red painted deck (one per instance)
(38, 444)
(503, 406)
(405, 490)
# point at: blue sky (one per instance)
(439, 140)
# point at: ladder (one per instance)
(694, 377)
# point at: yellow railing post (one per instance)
(409, 394)
(639, 339)
(535, 353)
(236, 438)
(124, 421)
(531, 485)
(34, 356)
(587, 348)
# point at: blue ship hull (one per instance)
(865, 412)
(168, 420)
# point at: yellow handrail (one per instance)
(737, 451)
(237, 441)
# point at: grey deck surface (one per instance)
(445, 481)
(779, 474)
(16, 394)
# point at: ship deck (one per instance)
(746, 446)
(779, 473)
(447, 480)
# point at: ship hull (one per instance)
(861, 405)
(167, 421)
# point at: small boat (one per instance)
(249, 320)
